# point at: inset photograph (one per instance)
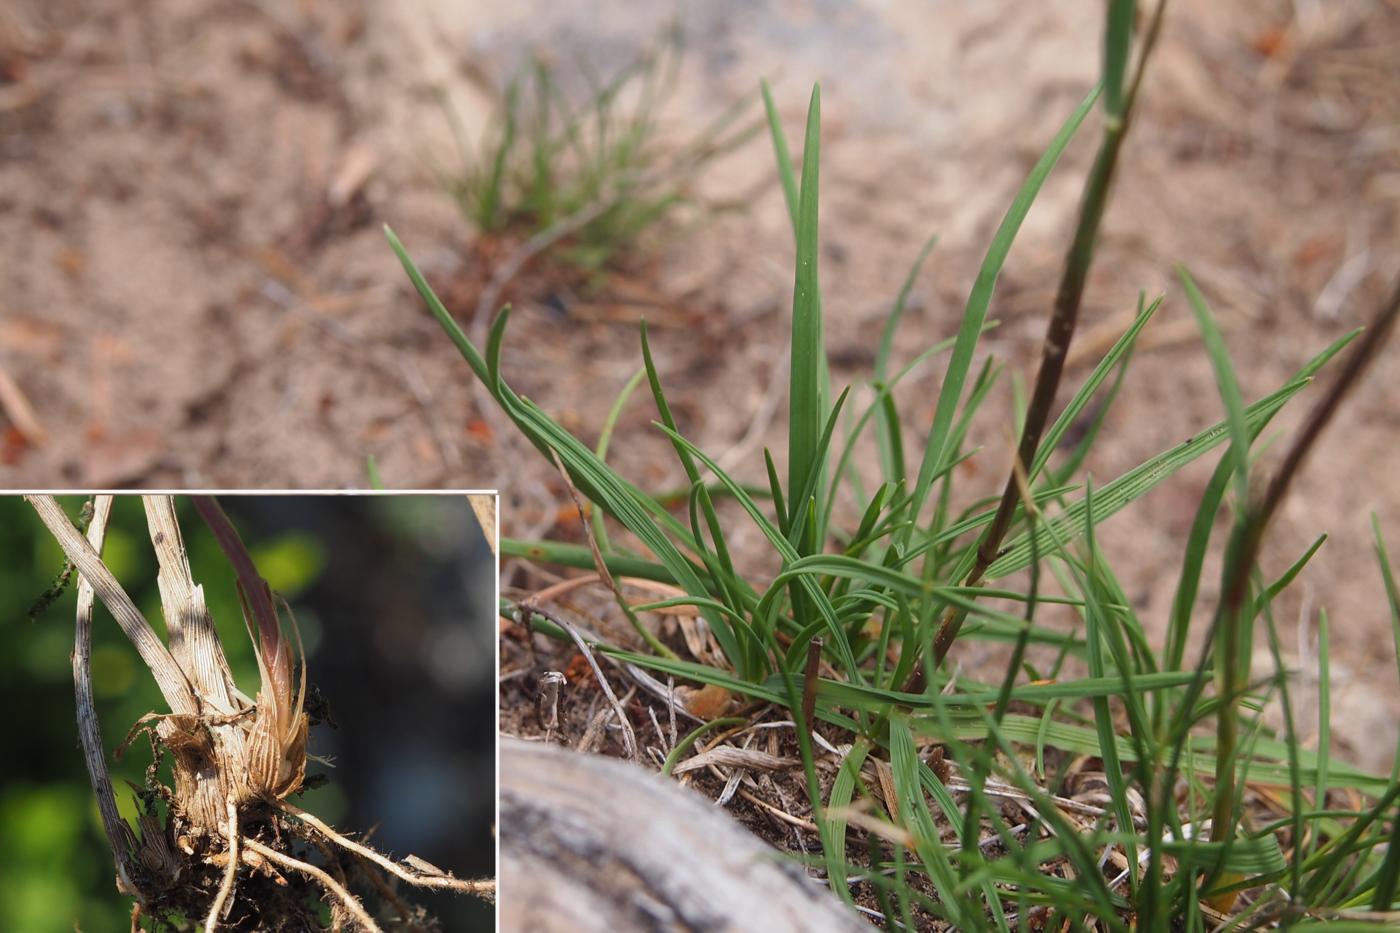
(248, 712)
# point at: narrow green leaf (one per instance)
(1117, 43)
(882, 356)
(1226, 382)
(978, 301)
(1392, 593)
(805, 372)
(628, 505)
(913, 815)
(600, 526)
(780, 150)
(1324, 709)
(1121, 347)
(1139, 480)
(841, 790)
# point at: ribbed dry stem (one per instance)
(194, 641)
(484, 506)
(174, 687)
(119, 835)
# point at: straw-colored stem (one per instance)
(218, 908)
(89, 731)
(169, 677)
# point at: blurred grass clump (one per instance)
(595, 173)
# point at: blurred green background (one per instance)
(394, 596)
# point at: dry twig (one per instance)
(350, 901)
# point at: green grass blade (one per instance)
(600, 483)
(1121, 347)
(663, 408)
(600, 527)
(1392, 593)
(840, 644)
(891, 438)
(913, 815)
(1227, 383)
(781, 152)
(1389, 873)
(882, 356)
(1295, 775)
(1139, 480)
(979, 300)
(1324, 709)
(1193, 561)
(581, 557)
(1269, 764)
(841, 790)
(1118, 38)
(806, 369)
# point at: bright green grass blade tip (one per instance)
(805, 405)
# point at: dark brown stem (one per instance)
(1242, 551)
(809, 682)
(1058, 335)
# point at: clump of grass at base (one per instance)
(1187, 832)
(599, 169)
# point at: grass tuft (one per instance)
(596, 164)
(1100, 780)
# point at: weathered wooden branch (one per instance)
(597, 845)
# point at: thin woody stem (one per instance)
(1242, 552)
(223, 898)
(351, 902)
(484, 888)
(1058, 335)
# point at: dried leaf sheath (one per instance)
(277, 742)
(254, 592)
(194, 640)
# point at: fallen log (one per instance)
(598, 845)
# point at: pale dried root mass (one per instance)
(225, 849)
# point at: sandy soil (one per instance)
(195, 291)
